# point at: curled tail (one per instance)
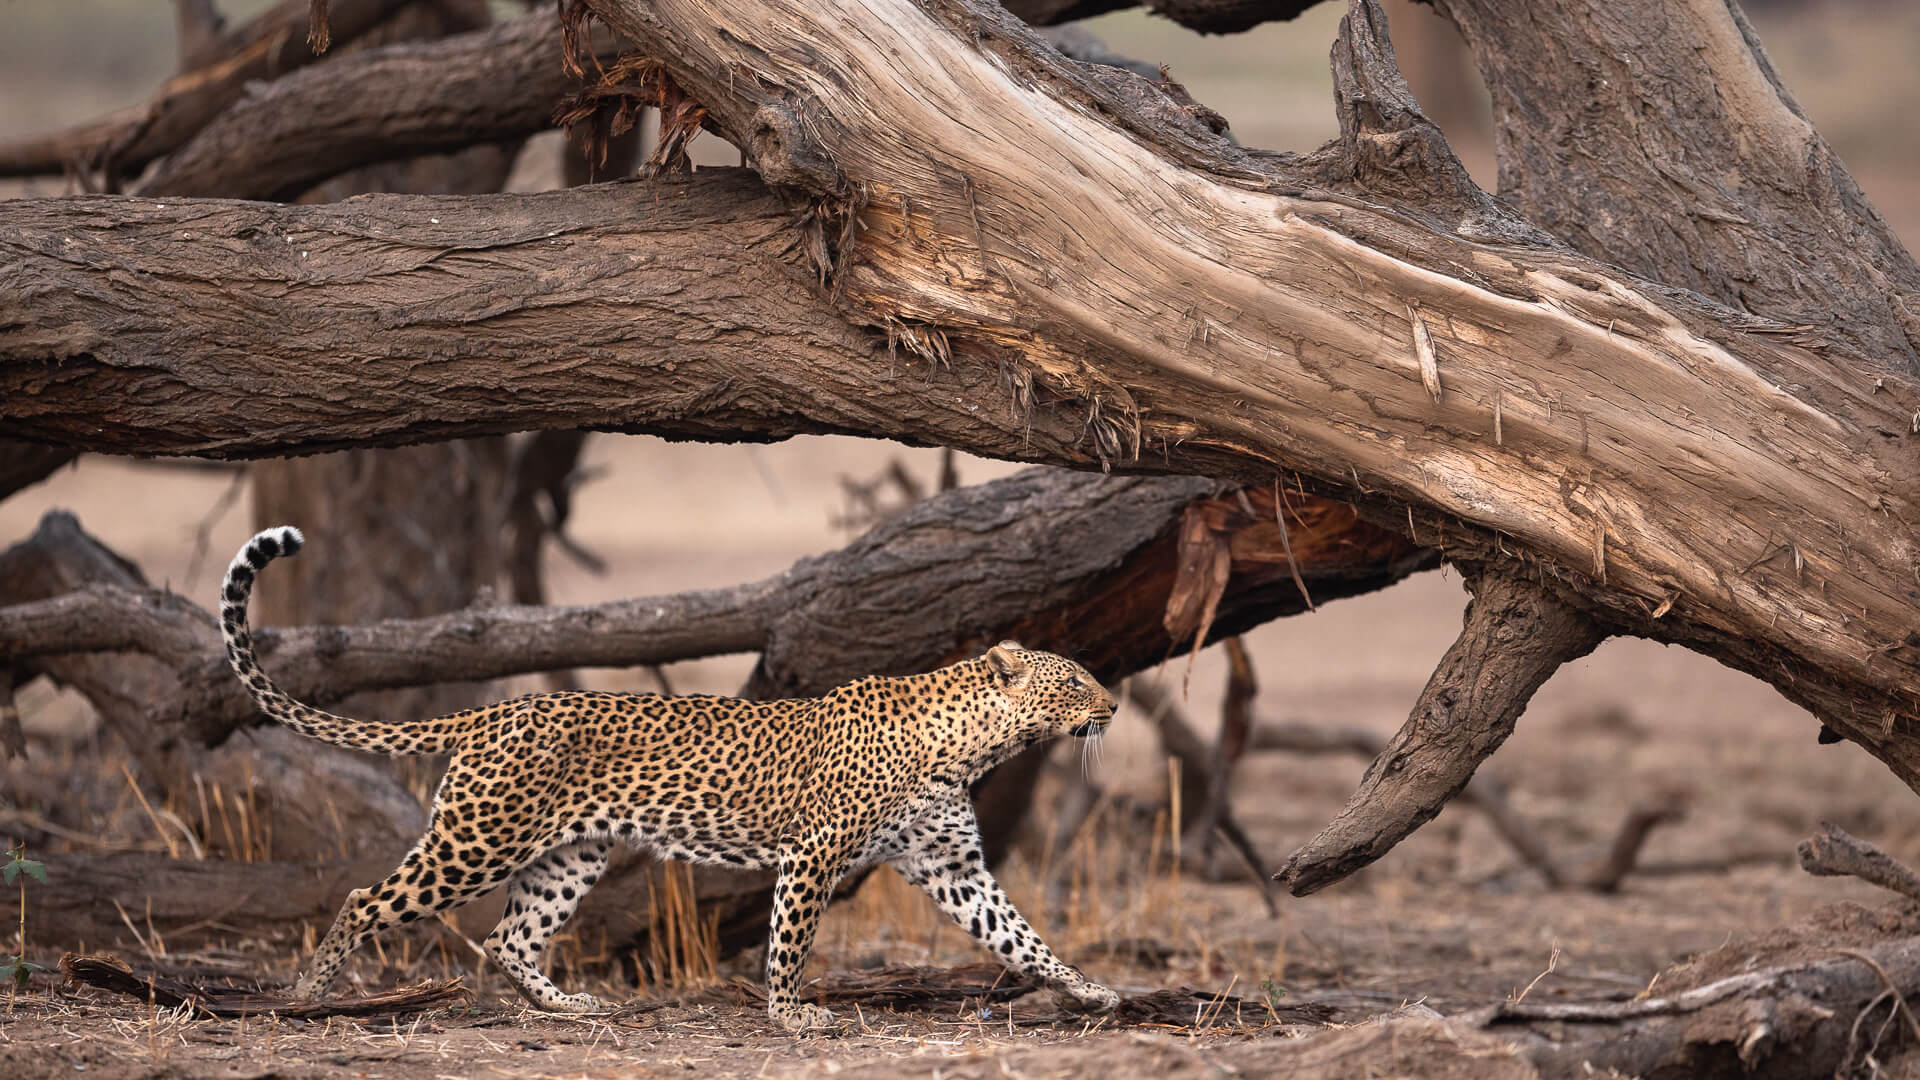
(424, 737)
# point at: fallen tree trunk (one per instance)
(1060, 560)
(1623, 411)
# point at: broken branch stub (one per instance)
(1517, 633)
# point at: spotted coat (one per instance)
(540, 788)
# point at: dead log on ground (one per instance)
(1042, 556)
(113, 974)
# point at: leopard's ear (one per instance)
(1009, 668)
(1012, 644)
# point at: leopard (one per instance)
(540, 789)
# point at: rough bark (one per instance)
(496, 85)
(188, 902)
(636, 307)
(1712, 179)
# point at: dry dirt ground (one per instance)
(1449, 919)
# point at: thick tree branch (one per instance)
(1712, 179)
(1748, 481)
(1516, 635)
(495, 85)
(396, 319)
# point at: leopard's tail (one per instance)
(423, 737)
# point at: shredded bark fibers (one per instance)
(319, 35)
(613, 105)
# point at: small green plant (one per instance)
(17, 869)
(1272, 992)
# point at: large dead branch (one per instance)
(638, 307)
(496, 85)
(1063, 560)
(1606, 453)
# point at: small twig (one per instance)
(1553, 961)
(1624, 852)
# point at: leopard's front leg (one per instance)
(945, 860)
(809, 869)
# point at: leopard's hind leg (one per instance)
(434, 877)
(470, 847)
(541, 897)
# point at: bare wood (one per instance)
(1642, 418)
(496, 85)
(1606, 874)
(113, 974)
(267, 45)
(1516, 635)
(1781, 230)
(1756, 1023)
(1833, 851)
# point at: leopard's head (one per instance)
(1045, 695)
